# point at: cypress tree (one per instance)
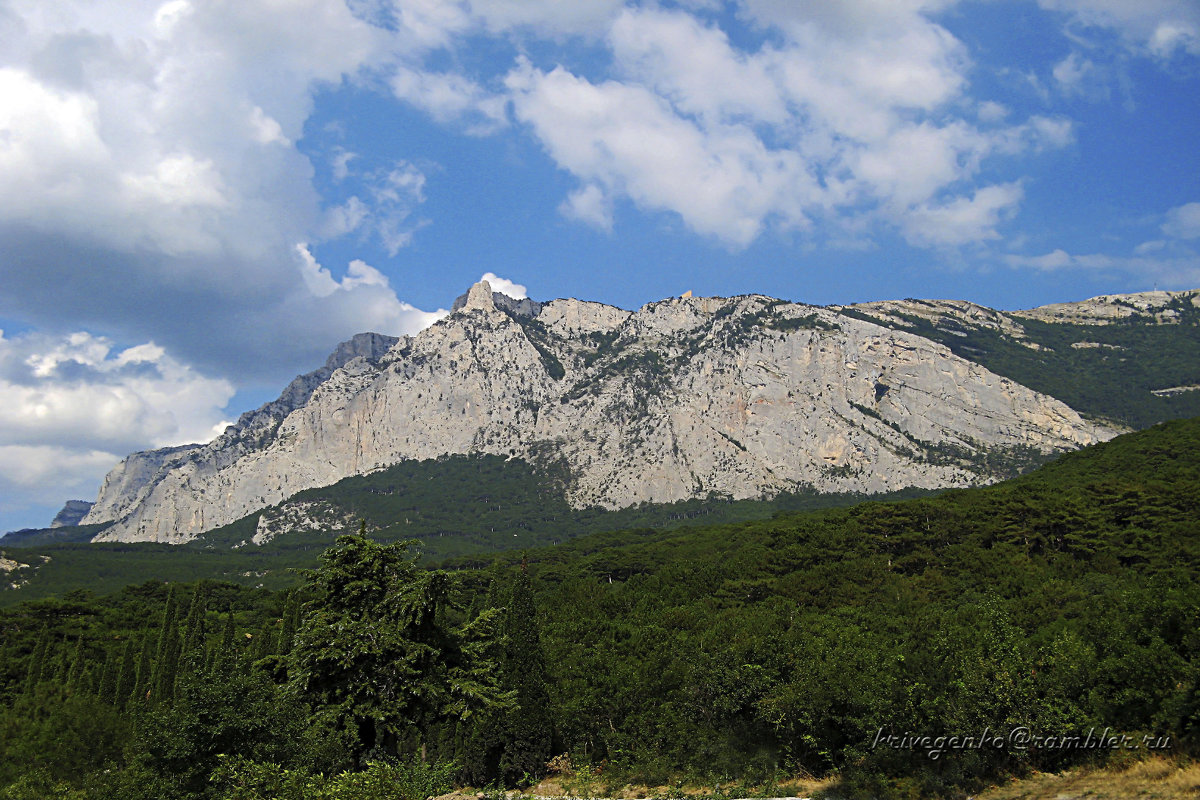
(168, 668)
(288, 630)
(75, 671)
(37, 661)
(528, 730)
(193, 628)
(263, 644)
(142, 683)
(106, 688)
(226, 657)
(126, 676)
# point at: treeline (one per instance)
(819, 643)
(456, 505)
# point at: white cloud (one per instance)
(591, 205)
(156, 146)
(722, 181)
(548, 17)
(1162, 28)
(450, 97)
(1180, 270)
(963, 220)
(852, 113)
(504, 286)
(71, 406)
(1183, 222)
(47, 475)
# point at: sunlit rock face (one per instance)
(744, 397)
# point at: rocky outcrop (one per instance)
(1161, 307)
(71, 513)
(301, 515)
(743, 396)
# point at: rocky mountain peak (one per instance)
(479, 297)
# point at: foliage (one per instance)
(377, 653)
(243, 779)
(1061, 601)
(460, 507)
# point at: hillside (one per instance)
(455, 505)
(1128, 360)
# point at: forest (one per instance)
(838, 642)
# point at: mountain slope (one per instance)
(1127, 360)
(744, 397)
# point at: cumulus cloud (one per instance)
(79, 391)
(591, 205)
(150, 186)
(504, 286)
(71, 406)
(963, 220)
(851, 113)
(450, 97)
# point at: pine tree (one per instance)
(528, 732)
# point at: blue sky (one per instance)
(199, 198)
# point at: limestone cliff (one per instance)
(743, 396)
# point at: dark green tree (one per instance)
(37, 661)
(376, 655)
(226, 656)
(75, 673)
(192, 647)
(127, 676)
(528, 732)
(166, 665)
(143, 682)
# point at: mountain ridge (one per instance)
(745, 396)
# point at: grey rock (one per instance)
(72, 512)
(744, 396)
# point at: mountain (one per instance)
(1127, 360)
(741, 397)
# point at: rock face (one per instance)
(743, 396)
(1162, 307)
(72, 512)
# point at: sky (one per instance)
(200, 198)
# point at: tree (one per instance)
(376, 654)
(166, 666)
(528, 733)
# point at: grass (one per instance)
(1154, 778)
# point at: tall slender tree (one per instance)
(37, 661)
(142, 682)
(166, 665)
(192, 647)
(528, 730)
(127, 676)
